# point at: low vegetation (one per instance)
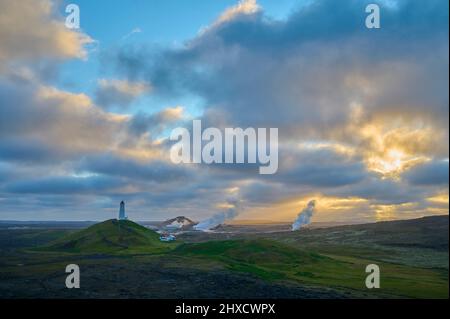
(124, 259)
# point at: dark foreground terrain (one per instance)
(126, 260)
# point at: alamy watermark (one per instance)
(73, 17)
(373, 19)
(235, 145)
(73, 279)
(373, 279)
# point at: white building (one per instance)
(122, 215)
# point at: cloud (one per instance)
(64, 185)
(320, 168)
(321, 75)
(306, 74)
(134, 31)
(119, 93)
(141, 122)
(378, 101)
(59, 119)
(430, 173)
(29, 150)
(32, 30)
(384, 191)
(362, 115)
(149, 171)
(243, 7)
(5, 172)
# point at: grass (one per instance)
(275, 261)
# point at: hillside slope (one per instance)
(338, 259)
(110, 236)
(427, 232)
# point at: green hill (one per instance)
(111, 236)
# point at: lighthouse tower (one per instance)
(122, 215)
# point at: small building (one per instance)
(167, 237)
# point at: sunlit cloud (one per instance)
(439, 199)
(243, 7)
(31, 29)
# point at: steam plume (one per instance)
(220, 217)
(304, 217)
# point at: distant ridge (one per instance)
(178, 223)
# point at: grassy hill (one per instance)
(111, 236)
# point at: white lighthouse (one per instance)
(122, 215)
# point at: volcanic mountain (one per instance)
(178, 223)
(108, 237)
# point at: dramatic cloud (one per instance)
(119, 93)
(312, 74)
(362, 114)
(321, 76)
(431, 173)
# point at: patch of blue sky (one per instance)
(114, 23)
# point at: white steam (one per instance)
(220, 217)
(304, 217)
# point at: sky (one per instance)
(86, 114)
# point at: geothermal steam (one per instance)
(304, 217)
(219, 218)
